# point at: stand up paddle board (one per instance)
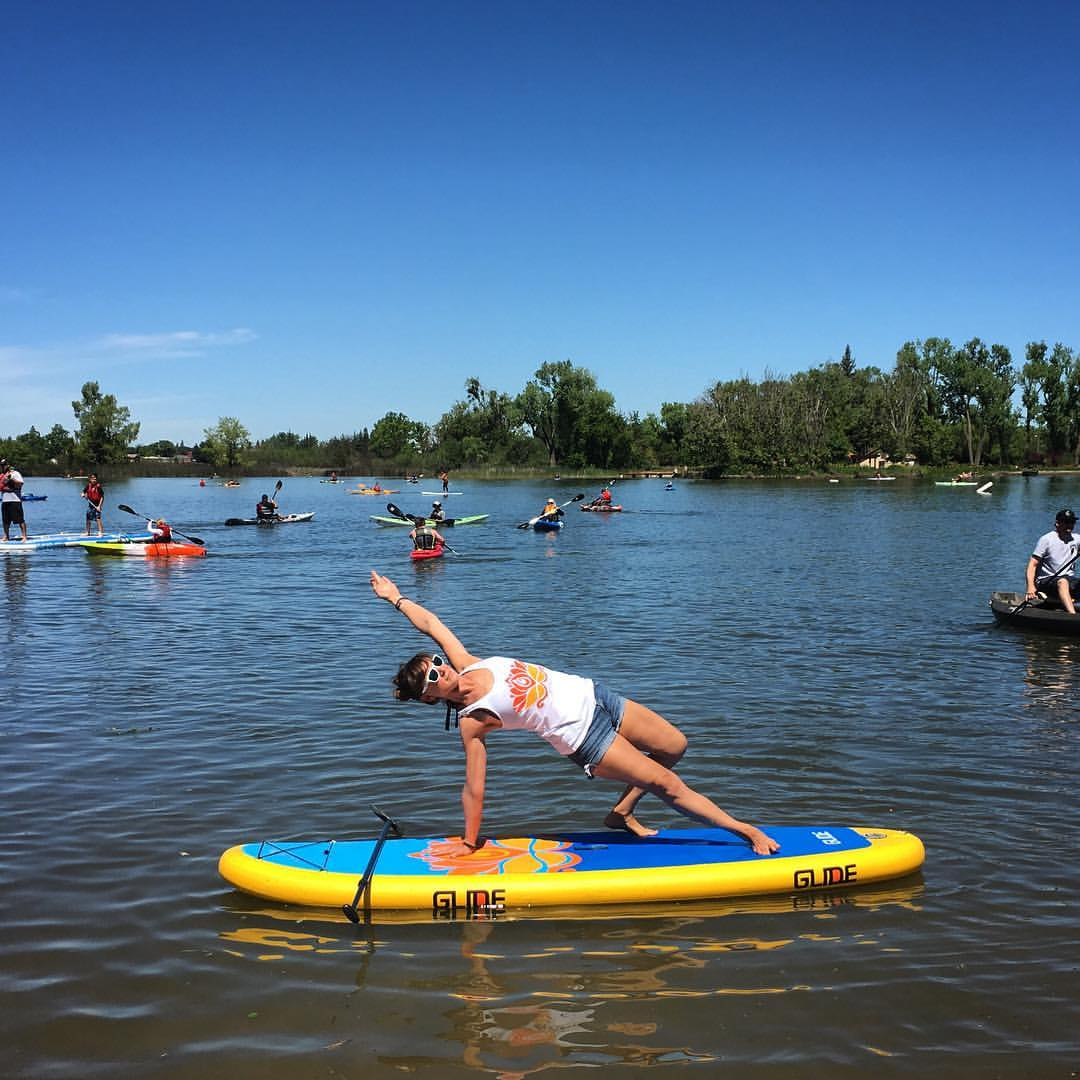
(569, 868)
(442, 492)
(63, 540)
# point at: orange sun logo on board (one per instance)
(515, 856)
(527, 684)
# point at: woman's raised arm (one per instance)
(427, 622)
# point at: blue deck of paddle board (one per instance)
(596, 851)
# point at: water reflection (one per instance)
(1051, 675)
(16, 589)
(590, 991)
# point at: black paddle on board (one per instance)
(389, 826)
(193, 539)
(532, 521)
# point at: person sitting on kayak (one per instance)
(161, 530)
(551, 512)
(1051, 567)
(603, 499)
(425, 537)
(607, 735)
(266, 509)
(437, 512)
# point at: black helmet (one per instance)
(1067, 516)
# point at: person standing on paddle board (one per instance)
(607, 735)
(1054, 551)
(94, 494)
(444, 476)
(11, 483)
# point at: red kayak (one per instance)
(426, 553)
(603, 508)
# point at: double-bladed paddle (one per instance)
(532, 521)
(193, 539)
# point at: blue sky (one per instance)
(306, 215)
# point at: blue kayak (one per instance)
(547, 526)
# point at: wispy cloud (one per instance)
(173, 344)
(12, 295)
(116, 349)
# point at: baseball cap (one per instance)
(1065, 515)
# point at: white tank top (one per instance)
(557, 706)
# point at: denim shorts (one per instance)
(606, 721)
(93, 514)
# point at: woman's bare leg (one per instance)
(626, 763)
(658, 739)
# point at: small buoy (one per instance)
(202, 483)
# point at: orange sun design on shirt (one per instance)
(527, 684)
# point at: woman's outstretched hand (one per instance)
(384, 588)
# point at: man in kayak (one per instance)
(603, 499)
(266, 509)
(1050, 568)
(11, 507)
(425, 537)
(161, 529)
(607, 735)
(94, 494)
(437, 512)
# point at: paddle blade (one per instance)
(397, 512)
(127, 509)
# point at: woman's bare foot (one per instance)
(627, 823)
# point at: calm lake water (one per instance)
(827, 648)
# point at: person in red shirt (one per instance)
(94, 494)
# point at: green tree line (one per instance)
(940, 404)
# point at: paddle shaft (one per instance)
(193, 539)
(389, 826)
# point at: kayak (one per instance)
(426, 553)
(472, 519)
(610, 509)
(956, 483)
(65, 540)
(372, 491)
(567, 868)
(547, 526)
(1035, 616)
(158, 549)
(33, 498)
(284, 519)
(881, 478)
